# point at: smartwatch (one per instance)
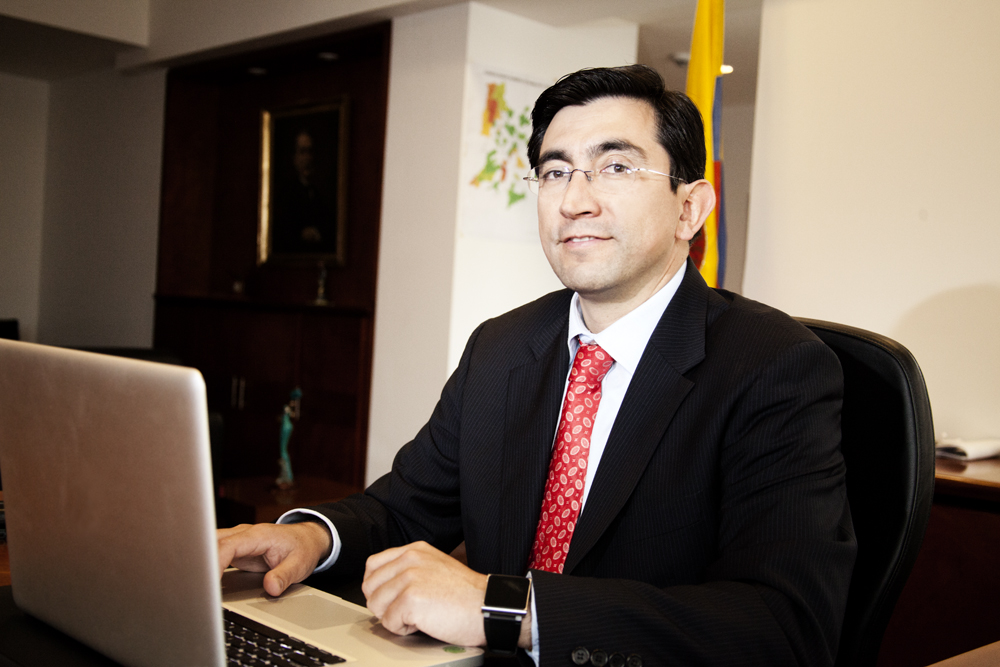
(506, 603)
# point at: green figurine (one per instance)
(286, 479)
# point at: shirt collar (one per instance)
(626, 339)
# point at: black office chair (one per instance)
(888, 445)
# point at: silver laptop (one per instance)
(107, 486)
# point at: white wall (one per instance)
(101, 221)
(874, 163)
(417, 234)
(494, 275)
(737, 126)
(24, 107)
(427, 272)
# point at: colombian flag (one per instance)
(704, 87)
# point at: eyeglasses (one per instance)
(614, 177)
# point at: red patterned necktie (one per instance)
(568, 467)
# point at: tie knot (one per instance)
(592, 363)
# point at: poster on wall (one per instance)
(494, 201)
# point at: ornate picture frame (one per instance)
(303, 185)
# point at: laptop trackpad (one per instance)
(310, 612)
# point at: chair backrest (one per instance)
(888, 446)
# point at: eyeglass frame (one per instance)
(536, 189)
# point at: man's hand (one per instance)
(288, 553)
(417, 587)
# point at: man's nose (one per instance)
(578, 198)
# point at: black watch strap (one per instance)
(502, 634)
(505, 605)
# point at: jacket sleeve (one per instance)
(418, 499)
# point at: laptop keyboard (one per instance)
(251, 644)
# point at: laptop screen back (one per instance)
(108, 492)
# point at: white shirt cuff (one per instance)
(300, 515)
(534, 626)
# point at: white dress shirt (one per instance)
(625, 341)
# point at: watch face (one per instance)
(504, 592)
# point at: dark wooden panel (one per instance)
(212, 168)
(187, 198)
(252, 357)
(255, 331)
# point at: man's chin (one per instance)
(591, 288)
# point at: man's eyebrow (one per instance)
(616, 146)
(554, 155)
(595, 151)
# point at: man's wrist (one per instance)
(505, 609)
(323, 538)
(525, 641)
(302, 515)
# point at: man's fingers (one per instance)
(293, 568)
(384, 588)
(289, 552)
(383, 558)
(287, 571)
(248, 549)
(235, 530)
(418, 587)
(391, 565)
(227, 545)
(396, 619)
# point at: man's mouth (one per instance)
(581, 239)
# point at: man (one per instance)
(699, 487)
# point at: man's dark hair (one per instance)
(680, 129)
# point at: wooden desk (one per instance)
(986, 656)
(948, 606)
(975, 479)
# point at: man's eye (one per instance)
(616, 169)
(553, 175)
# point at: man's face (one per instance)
(620, 247)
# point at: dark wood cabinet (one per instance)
(255, 330)
(948, 604)
(253, 356)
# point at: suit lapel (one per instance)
(534, 394)
(657, 389)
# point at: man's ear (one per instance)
(699, 203)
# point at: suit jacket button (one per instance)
(616, 660)
(633, 661)
(581, 656)
(598, 658)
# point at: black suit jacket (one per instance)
(717, 529)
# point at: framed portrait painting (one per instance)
(303, 185)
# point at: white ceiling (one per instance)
(41, 52)
(664, 28)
